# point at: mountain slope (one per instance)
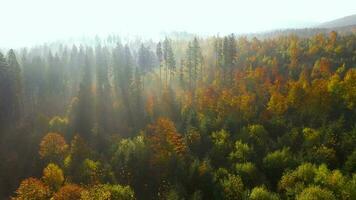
(345, 21)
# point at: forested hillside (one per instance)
(209, 118)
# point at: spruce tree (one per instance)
(84, 113)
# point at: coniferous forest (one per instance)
(218, 117)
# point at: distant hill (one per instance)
(344, 26)
(341, 22)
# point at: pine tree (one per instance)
(189, 64)
(219, 59)
(181, 74)
(194, 61)
(103, 93)
(159, 55)
(10, 90)
(229, 51)
(123, 74)
(17, 84)
(145, 62)
(197, 60)
(84, 112)
(169, 60)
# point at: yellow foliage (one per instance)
(53, 176)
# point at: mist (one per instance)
(27, 23)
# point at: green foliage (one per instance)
(196, 196)
(350, 164)
(129, 150)
(231, 187)
(257, 135)
(241, 152)
(195, 141)
(201, 177)
(315, 193)
(293, 182)
(311, 136)
(11, 103)
(129, 160)
(221, 147)
(322, 154)
(92, 172)
(308, 175)
(275, 163)
(173, 194)
(79, 151)
(249, 174)
(58, 124)
(108, 192)
(333, 180)
(349, 191)
(261, 193)
(350, 89)
(220, 138)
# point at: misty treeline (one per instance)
(213, 118)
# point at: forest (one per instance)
(217, 117)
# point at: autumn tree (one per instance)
(108, 192)
(168, 152)
(68, 192)
(165, 140)
(53, 176)
(53, 148)
(32, 188)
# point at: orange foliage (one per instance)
(53, 146)
(165, 140)
(32, 188)
(325, 66)
(207, 99)
(68, 192)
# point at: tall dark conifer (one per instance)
(84, 112)
(103, 95)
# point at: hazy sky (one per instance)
(26, 22)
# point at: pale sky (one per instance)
(29, 22)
